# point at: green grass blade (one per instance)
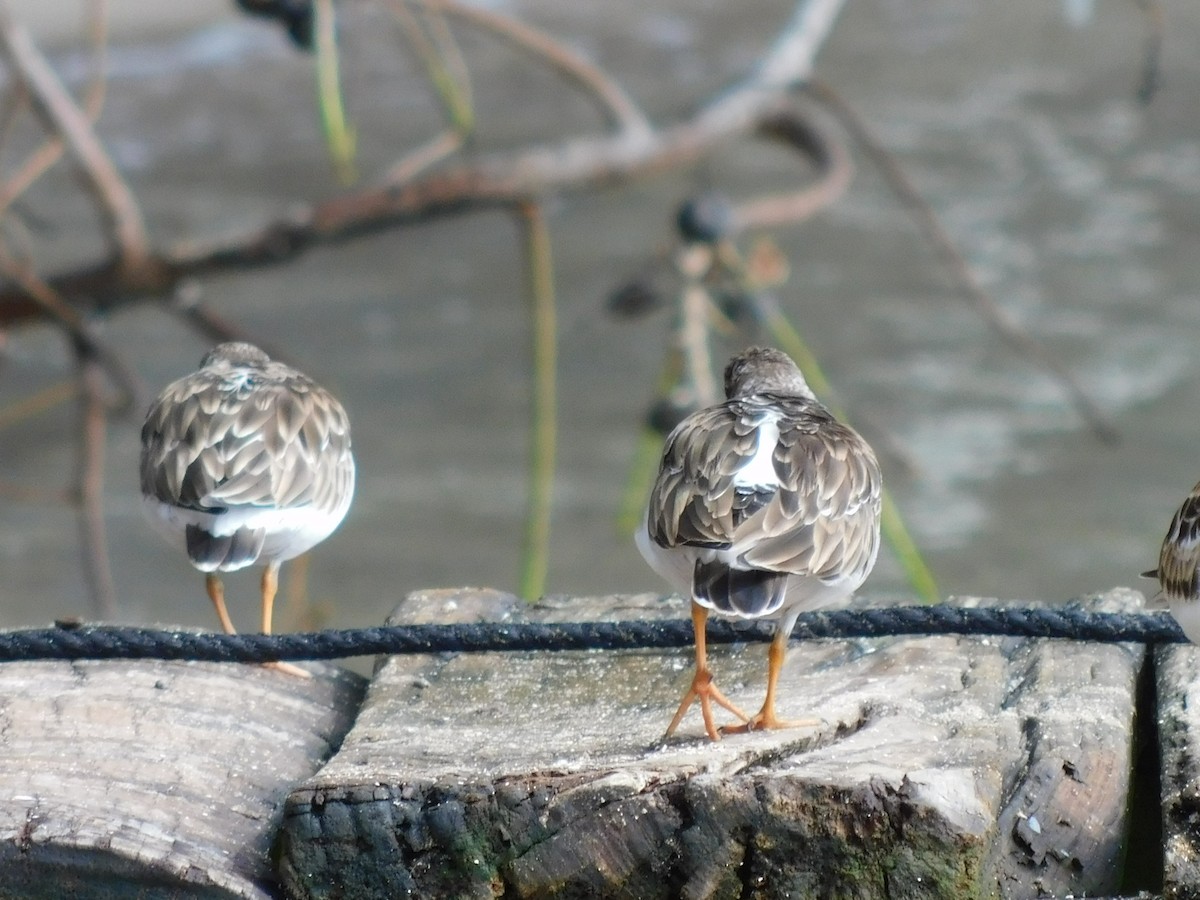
(543, 422)
(339, 135)
(919, 575)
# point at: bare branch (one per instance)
(46, 155)
(960, 270)
(424, 157)
(828, 155)
(1152, 55)
(444, 63)
(48, 300)
(188, 304)
(38, 402)
(491, 183)
(64, 118)
(787, 65)
(620, 107)
(90, 486)
(499, 180)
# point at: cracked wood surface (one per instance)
(156, 779)
(943, 767)
(1177, 676)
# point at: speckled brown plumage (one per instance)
(246, 431)
(821, 519)
(764, 505)
(246, 460)
(1177, 566)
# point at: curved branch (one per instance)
(829, 156)
(577, 164)
(943, 245)
(492, 183)
(788, 64)
(624, 112)
(45, 156)
(50, 303)
(63, 117)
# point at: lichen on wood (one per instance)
(544, 774)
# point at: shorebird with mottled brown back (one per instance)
(245, 461)
(764, 506)
(1178, 562)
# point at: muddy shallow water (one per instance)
(1078, 208)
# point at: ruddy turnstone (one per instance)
(764, 505)
(1177, 567)
(248, 460)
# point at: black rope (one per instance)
(109, 642)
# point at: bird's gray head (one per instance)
(764, 369)
(235, 353)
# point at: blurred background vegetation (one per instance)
(980, 224)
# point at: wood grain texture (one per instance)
(156, 779)
(1177, 676)
(943, 768)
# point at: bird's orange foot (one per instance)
(766, 720)
(288, 669)
(706, 692)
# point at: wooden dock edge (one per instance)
(156, 779)
(938, 767)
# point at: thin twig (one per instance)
(90, 486)
(623, 112)
(828, 154)
(57, 309)
(489, 182)
(37, 403)
(188, 304)
(424, 157)
(50, 151)
(63, 117)
(895, 532)
(1152, 56)
(646, 457)
(454, 63)
(447, 72)
(543, 424)
(693, 323)
(443, 61)
(958, 267)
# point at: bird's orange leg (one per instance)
(765, 718)
(270, 586)
(702, 688)
(216, 593)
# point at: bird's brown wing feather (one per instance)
(205, 447)
(1180, 555)
(823, 520)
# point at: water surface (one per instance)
(1076, 205)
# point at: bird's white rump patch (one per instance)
(759, 470)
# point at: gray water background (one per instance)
(1078, 208)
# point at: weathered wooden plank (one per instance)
(944, 767)
(1177, 677)
(156, 779)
